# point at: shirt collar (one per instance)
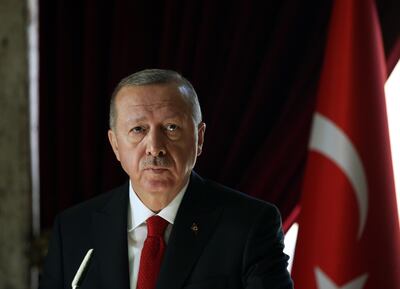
(138, 213)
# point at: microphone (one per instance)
(80, 274)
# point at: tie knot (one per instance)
(156, 226)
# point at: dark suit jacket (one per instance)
(238, 243)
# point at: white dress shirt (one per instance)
(138, 213)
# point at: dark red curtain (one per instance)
(255, 66)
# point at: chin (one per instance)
(158, 186)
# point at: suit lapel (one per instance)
(110, 241)
(195, 221)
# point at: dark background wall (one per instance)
(255, 66)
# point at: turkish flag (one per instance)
(348, 224)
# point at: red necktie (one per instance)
(152, 253)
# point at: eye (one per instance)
(171, 127)
(137, 129)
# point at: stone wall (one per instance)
(15, 212)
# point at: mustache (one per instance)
(155, 162)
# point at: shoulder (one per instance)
(234, 197)
(238, 204)
(99, 203)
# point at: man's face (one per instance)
(155, 139)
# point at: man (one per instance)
(167, 227)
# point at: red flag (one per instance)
(348, 225)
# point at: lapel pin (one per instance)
(194, 228)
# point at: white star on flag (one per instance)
(324, 282)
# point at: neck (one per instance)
(154, 202)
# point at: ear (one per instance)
(200, 137)
(114, 143)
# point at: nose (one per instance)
(155, 143)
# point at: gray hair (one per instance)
(158, 76)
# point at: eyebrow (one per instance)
(143, 118)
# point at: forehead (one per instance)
(137, 101)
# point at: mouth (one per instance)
(156, 170)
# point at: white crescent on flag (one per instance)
(331, 141)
